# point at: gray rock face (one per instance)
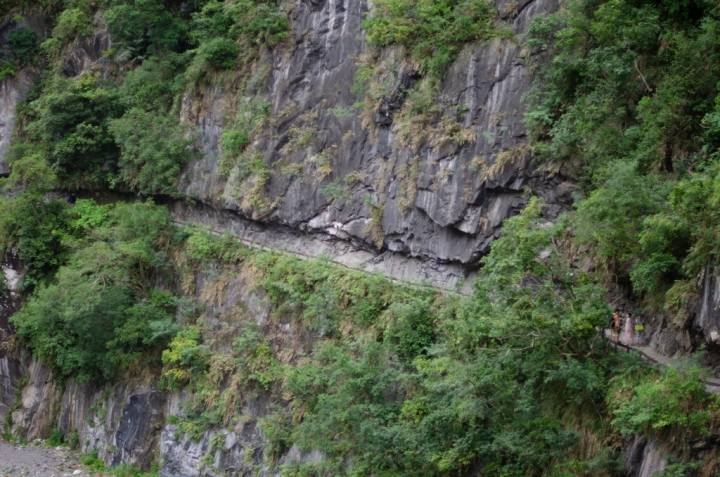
(135, 438)
(437, 191)
(11, 368)
(14, 88)
(644, 458)
(706, 318)
(693, 325)
(86, 53)
(34, 413)
(121, 422)
(12, 91)
(343, 251)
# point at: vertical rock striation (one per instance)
(429, 194)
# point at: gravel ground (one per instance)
(39, 461)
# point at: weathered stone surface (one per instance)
(706, 319)
(695, 324)
(644, 458)
(39, 398)
(12, 91)
(11, 367)
(136, 436)
(14, 88)
(436, 205)
(346, 252)
(86, 52)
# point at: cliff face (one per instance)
(437, 213)
(423, 187)
(128, 421)
(420, 201)
(423, 199)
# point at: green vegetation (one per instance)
(93, 463)
(252, 116)
(407, 380)
(55, 438)
(404, 379)
(71, 23)
(676, 400)
(143, 28)
(248, 22)
(6, 69)
(122, 131)
(36, 228)
(23, 44)
(630, 98)
(153, 151)
(433, 31)
(66, 124)
(101, 311)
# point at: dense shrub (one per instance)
(153, 150)
(6, 69)
(37, 228)
(71, 23)
(142, 27)
(247, 21)
(156, 84)
(101, 311)
(220, 53)
(629, 96)
(23, 44)
(433, 31)
(68, 124)
(676, 401)
(476, 393)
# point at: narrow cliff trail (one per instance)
(359, 260)
(462, 289)
(38, 461)
(649, 354)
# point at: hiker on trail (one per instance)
(639, 332)
(628, 333)
(615, 325)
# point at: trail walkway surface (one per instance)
(648, 354)
(39, 461)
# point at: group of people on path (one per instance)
(628, 331)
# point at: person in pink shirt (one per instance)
(628, 334)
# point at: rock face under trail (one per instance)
(349, 253)
(644, 458)
(10, 369)
(127, 422)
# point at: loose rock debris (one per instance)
(36, 460)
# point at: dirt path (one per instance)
(38, 461)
